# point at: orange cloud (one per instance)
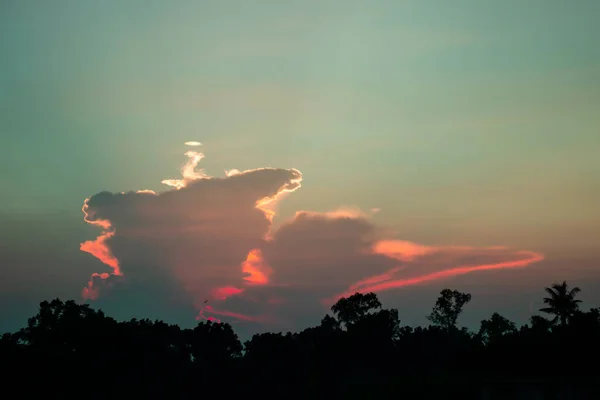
(213, 239)
(256, 269)
(90, 292)
(99, 249)
(225, 292)
(206, 233)
(407, 251)
(401, 249)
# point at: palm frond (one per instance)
(560, 289)
(548, 300)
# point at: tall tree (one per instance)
(561, 302)
(495, 328)
(539, 324)
(67, 326)
(448, 307)
(213, 344)
(349, 310)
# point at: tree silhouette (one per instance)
(360, 352)
(561, 302)
(349, 310)
(213, 344)
(329, 323)
(496, 328)
(540, 324)
(448, 307)
(67, 326)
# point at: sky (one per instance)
(394, 146)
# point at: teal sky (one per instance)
(466, 122)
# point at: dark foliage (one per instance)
(362, 351)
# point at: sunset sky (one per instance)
(417, 145)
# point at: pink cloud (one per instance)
(452, 258)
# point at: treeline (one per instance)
(360, 351)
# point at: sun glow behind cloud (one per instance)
(215, 237)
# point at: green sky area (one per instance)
(466, 122)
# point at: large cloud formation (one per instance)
(210, 241)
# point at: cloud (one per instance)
(206, 232)
(210, 241)
(424, 264)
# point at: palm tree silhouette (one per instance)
(561, 303)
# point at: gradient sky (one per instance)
(468, 123)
